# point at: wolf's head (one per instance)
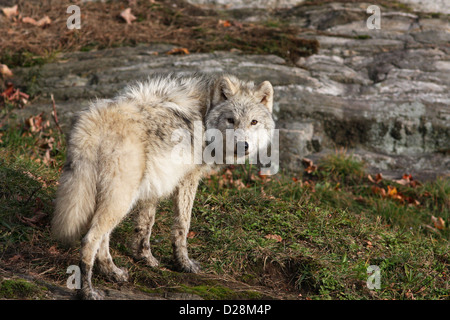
(242, 112)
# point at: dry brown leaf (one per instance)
(127, 16)
(11, 11)
(40, 23)
(44, 22)
(36, 123)
(378, 190)
(239, 184)
(378, 177)
(5, 71)
(275, 237)
(29, 20)
(439, 223)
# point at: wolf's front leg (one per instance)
(183, 200)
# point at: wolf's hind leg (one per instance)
(183, 201)
(143, 229)
(106, 265)
(115, 204)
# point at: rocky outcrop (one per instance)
(381, 93)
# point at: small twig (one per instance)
(55, 116)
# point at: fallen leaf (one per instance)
(40, 23)
(311, 169)
(225, 23)
(378, 177)
(11, 11)
(5, 71)
(178, 51)
(127, 16)
(191, 234)
(13, 94)
(29, 20)
(44, 22)
(36, 123)
(275, 237)
(439, 223)
(412, 201)
(392, 191)
(379, 191)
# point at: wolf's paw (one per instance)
(149, 260)
(190, 266)
(91, 294)
(119, 275)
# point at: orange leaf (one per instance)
(225, 23)
(178, 51)
(392, 191)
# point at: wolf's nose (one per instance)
(242, 144)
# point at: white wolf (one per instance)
(119, 157)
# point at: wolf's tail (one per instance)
(75, 201)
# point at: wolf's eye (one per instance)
(230, 120)
(254, 122)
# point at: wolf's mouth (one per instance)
(246, 153)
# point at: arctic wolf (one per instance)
(119, 157)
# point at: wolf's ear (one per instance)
(224, 90)
(264, 93)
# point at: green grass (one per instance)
(19, 289)
(310, 237)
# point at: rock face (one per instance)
(381, 93)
